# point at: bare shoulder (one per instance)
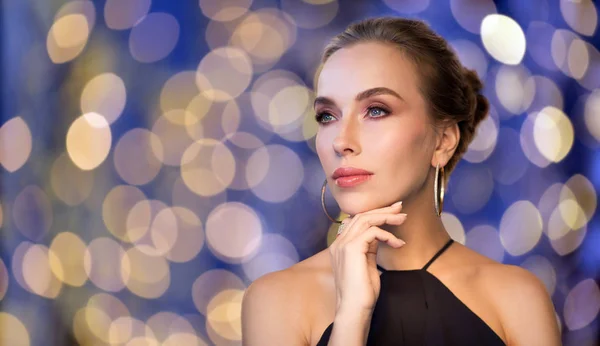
(522, 303)
(275, 309)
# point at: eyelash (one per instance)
(319, 116)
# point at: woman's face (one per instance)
(373, 117)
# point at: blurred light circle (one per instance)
(454, 227)
(177, 339)
(32, 213)
(69, 250)
(218, 121)
(18, 334)
(154, 37)
(274, 173)
(100, 312)
(116, 207)
(466, 199)
(210, 283)
(69, 183)
(233, 232)
(470, 13)
(67, 37)
(527, 141)
(547, 93)
(190, 237)
(37, 272)
(549, 200)
(581, 15)
(17, 264)
(207, 167)
(514, 93)
(590, 69)
(225, 10)
(311, 16)
(265, 34)
(138, 156)
(591, 118)
(275, 253)
(15, 144)
(177, 92)
(539, 43)
(102, 259)
(570, 241)
(104, 94)
(3, 279)
(471, 56)
(580, 193)
(246, 144)
(543, 269)
(224, 315)
(152, 226)
(288, 105)
(562, 40)
(143, 341)
(124, 14)
(89, 140)
(485, 240)
(125, 328)
(173, 140)
(578, 59)
(407, 6)
(224, 73)
(582, 304)
(83, 7)
(553, 134)
(484, 142)
(557, 225)
(503, 38)
(147, 276)
(164, 324)
(520, 228)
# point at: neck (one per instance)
(423, 232)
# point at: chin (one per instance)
(353, 206)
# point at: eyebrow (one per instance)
(360, 96)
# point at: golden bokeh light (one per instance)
(177, 92)
(38, 274)
(69, 183)
(152, 226)
(514, 93)
(527, 141)
(454, 227)
(218, 121)
(15, 144)
(224, 10)
(190, 236)
(553, 134)
(146, 275)
(32, 213)
(116, 207)
(89, 141)
(578, 59)
(68, 250)
(173, 138)
(101, 310)
(308, 15)
(224, 315)
(541, 267)
(210, 283)
(207, 167)
(104, 94)
(224, 73)
(581, 15)
(547, 93)
(124, 14)
(591, 118)
(520, 228)
(485, 240)
(503, 38)
(164, 324)
(83, 7)
(138, 156)
(469, 14)
(233, 232)
(288, 105)
(3, 279)
(582, 194)
(101, 261)
(154, 37)
(126, 328)
(67, 37)
(274, 173)
(176, 339)
(582, 304)
(18, 334)
(17, 264)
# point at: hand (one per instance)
(354, 254)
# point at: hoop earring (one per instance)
(438, 184)
(323, 203)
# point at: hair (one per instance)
(451, 91)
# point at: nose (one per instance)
(347, 142)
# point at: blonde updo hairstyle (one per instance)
(452, 92)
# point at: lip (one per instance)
(349, 171)
(350, 176)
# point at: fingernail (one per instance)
(402, 242)
(397, 204)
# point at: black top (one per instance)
(415, 308)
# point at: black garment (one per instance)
(415, 308)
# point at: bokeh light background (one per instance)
(158, 156)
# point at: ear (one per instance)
(446, 144)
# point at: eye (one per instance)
(324, 117)
(377, 112)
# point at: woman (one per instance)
(396, 111)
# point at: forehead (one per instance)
(367, 65)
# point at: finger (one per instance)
(363, 221)
(394, 208)
(375, 233)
